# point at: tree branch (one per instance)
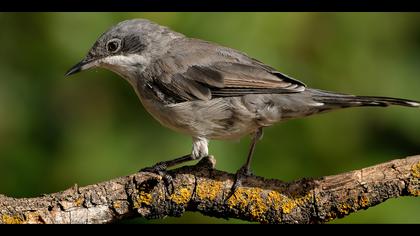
(201, 188)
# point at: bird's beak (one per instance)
(83, 65)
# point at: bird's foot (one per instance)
(160, 169)
(241, 174)
(156, 168)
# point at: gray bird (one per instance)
(209, 91)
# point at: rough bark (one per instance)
(201, 188)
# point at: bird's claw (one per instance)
(160, 169)
(242, 173)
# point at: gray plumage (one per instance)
(206, 90)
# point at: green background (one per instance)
(55, 132)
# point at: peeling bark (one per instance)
(204, 189)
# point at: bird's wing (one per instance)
(222, 76)
(241, 79)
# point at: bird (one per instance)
(209, 91)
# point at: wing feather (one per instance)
(227, 73)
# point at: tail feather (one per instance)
(331, 99)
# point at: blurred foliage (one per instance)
(55, 132)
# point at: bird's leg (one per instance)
(199, 150)
(257, 136)
(245, 170)
(163, 165)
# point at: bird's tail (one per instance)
(333, 100)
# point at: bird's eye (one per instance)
(113, 45)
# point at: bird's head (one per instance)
(127, 48)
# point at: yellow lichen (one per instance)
(413, 188)
(116, 204)
(79, 201)
(239, 198)
(364, 201)
(344, 208)
(288, 206)
(258, 203)
(414, 192)
(292, 202)
(274, 198)
(330, 216)
(33, 218)
(143, 198)
(8, 219)
(181, 196)
(249, 198)
(415, 170)
(258, 208)
(303, 199)
(208, 189)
